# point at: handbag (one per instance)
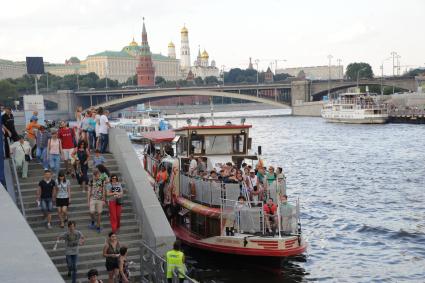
(27, 156)
(118, 201)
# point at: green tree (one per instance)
(131, 80)
(415, 72)
(364, 70)
(211, 80)
(160, 81)
(8, 92)
(69, 82)
(199, 81)
(280, 77)
(182, 83)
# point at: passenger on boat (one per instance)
(192, 166)
(255, 191)
(239, 206)
(213, 176)
(270, 215)
(161, 180)
(201, 164)
(287, 214)
(270, 176)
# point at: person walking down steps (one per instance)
(73, 240)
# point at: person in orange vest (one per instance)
(161, 179)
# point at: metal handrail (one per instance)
(158, 266)
(18, 186)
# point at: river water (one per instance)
(362, 192)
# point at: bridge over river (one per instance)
(296, 93)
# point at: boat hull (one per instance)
(242, 244)
(371, 120)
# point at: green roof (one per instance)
(133, 49)
(111, 54)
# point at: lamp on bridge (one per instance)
(358, 72)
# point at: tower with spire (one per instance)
(145, 70)
(184, 49)
(250, 67)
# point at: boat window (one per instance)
(218, 144)
(181, 146)
(238, 143)
(196, 144)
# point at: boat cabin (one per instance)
(218, 143)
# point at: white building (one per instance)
(202, 68)
(315, 72)
(12, 70)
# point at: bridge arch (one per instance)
(319, 95)
(121, 103)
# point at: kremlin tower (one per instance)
(171, 50)
(145, 70)
(184, 49)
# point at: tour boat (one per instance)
(355, 108)
(205, 213)
(136, 123)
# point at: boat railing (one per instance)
(237, 217)
(210, 191)
(207, 191)
(248, 217)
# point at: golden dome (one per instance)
(171, 45)
(184, 30)
(133, 43)
(205, 54)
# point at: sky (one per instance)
(295, 33)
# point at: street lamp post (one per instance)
(222, 70)
(256, 62)
(393, 54)
(358, 72)
(382, 74)
(339, 68)
(106, 74)
(275, 65)
(329, 76)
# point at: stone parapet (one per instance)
(156, 230)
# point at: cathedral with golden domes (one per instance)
(201, 66)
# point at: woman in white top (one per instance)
(63, 197)
(54, 152)
(19, 149)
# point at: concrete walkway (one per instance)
(91, 252)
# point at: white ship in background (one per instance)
(138, 122)
(355, 108)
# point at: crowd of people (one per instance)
(255, 183)
(256, 186)
(80, 145)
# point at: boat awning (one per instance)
(160, 136)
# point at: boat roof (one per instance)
(160, 136)
(352, 93)
(231, 126)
